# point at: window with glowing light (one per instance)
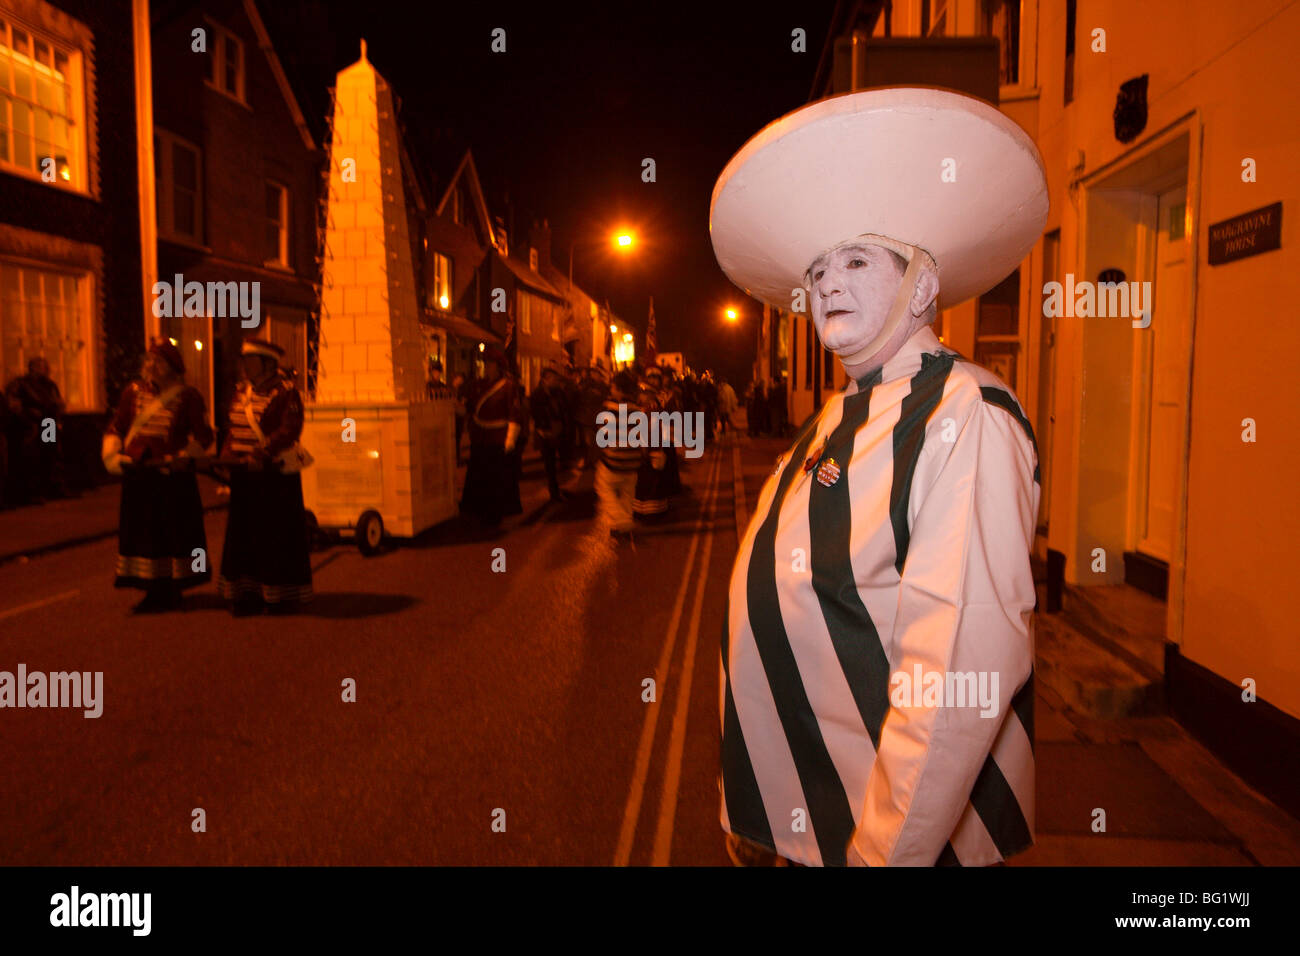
(46, 313)
(525, 313)
(440, 290)
(41, 95)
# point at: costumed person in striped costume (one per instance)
(619, 460)
(265, 564)
(162, 548)
(496, 418)
(653, 477)
(876, 692)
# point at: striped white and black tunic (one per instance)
(916, 555)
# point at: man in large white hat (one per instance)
(876, 689)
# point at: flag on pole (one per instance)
(651, 342)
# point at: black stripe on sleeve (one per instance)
(745, 811)
(828, 805)
(1023, 705)
(998, 808)
(1002, 398)
(909, 435)
(852, 632)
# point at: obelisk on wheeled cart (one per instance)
(385, 458)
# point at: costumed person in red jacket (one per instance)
(160, 421)
(496, 419)
(265, 564)
(877, 700)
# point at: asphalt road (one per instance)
(476, 692)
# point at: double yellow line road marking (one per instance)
(677, 735)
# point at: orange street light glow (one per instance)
(731, 315)
(624, 239)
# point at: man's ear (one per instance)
(926, 291)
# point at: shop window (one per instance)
(45, 313)
(41, 92)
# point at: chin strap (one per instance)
(902, 304)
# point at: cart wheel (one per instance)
(312, 530)
(370, 532)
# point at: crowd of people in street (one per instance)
(158, 440)
(560, 417)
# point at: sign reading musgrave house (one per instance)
(1249, 234)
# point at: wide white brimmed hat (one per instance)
(873, 162)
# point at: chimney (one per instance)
(499, 226)
(540, 239)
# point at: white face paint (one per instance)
(852, 289)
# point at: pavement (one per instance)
(541, 694)
(32, 530)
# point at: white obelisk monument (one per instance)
(370, 372)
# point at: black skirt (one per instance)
(265, 557)
(491, 484)
(651, 496)
(160, 526)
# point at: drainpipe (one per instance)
(145, 163)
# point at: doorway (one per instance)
(1160, 383)
(1135, 370)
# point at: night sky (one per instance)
(561, 122)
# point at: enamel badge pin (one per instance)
(828, 472)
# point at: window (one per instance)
(532, 259)
(828, 368)
(226, 62)
(40, 108)
(794, 355)
(457, 207)
(440, 291)
(1002, 21)
(1071, 10)
(276, 239)
(934, 17)
(44, 312)
(287, 328)
(178, 188)
(556, 317)
(525, 313)
(808, 355)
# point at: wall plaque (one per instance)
(1249, 234)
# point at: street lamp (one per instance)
(732, 315)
